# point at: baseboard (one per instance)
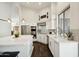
(40, 42)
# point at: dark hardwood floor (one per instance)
(41, 50)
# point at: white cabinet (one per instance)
(56, 49)
(42, 38)
(62, 47)
(68, 49)
(51, 45)
(23, 44)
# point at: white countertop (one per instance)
(21, 40)
(62, 40)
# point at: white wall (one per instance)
(5, 28)
(5, 13)
(9, 10)
(30, 16)
(74, 10)
(14, 14)
(61, 6)
(5, 10)
(74, 22)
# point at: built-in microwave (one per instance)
(41, 24)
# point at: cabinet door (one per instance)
(52, 46)
(49, 43)
(43, 39)
(56, 49)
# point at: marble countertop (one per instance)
(21, 40)
(61, 39)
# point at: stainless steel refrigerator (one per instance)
(25, 30)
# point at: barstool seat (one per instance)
(9, 54)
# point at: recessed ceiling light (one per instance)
(40, 3)
(28, 2)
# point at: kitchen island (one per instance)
(24, 44)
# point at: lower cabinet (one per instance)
(51, 45)
(42, 38)
(63, 48)
(56, 49)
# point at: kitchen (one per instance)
(39, 22)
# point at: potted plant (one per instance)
(16, 34)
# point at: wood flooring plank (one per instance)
(41, 50)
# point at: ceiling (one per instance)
(35, 5)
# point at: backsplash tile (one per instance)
(52, 30)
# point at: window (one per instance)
(64, 21)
